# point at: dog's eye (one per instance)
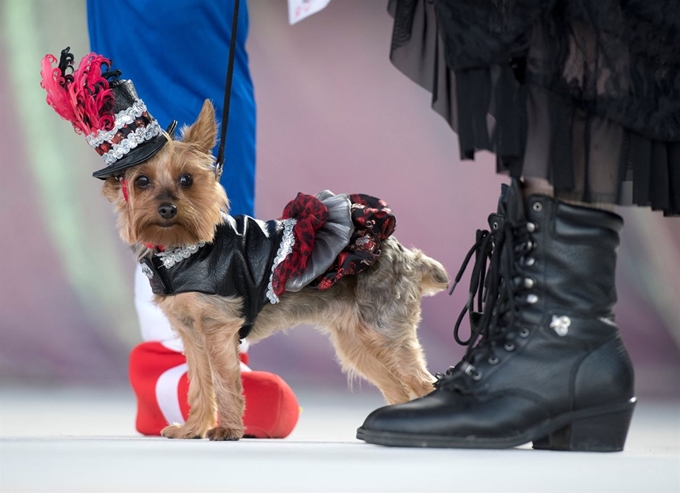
(186, 180)
(142, 181)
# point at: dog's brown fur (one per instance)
(371, 318)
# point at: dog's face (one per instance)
(174, 198)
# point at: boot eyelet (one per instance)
(529, 283)
(537, 206)
(529, 261)
(524, 332)
(509, 347)
(532, 299)
(495, 225)
(531, 227)
(493, 360)
(477, 376)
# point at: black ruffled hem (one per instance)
(533, 131)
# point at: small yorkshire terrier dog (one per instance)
(330, 261)
(174, 199)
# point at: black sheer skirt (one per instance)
(583, 93)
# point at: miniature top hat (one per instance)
(105, 108)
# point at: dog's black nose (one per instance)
(167, 211)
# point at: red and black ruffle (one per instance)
(373, 222)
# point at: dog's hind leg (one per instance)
(408, 362)
(393, 339)
(387, 302)
(359, 355)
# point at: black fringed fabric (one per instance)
(584, 93)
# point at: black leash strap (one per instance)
(219, 165)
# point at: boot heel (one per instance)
(601, 433)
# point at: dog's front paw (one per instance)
(220, 433)
(180, 431)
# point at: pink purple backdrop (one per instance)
(332, 113)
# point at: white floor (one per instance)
(84, 441)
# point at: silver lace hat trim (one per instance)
(139, 136)
(122, 118)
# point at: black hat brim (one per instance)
(138, 155)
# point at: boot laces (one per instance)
(499, 291)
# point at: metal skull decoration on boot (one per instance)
(545, 361)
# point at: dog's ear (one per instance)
(203, 133)
(111, 189)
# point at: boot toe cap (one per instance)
(450, 414)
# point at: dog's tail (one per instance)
(433, 275)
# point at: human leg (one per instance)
(174, 87)
(556, 94)
(545, 361)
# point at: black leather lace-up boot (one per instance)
(545, 362)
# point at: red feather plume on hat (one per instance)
(81, 96)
